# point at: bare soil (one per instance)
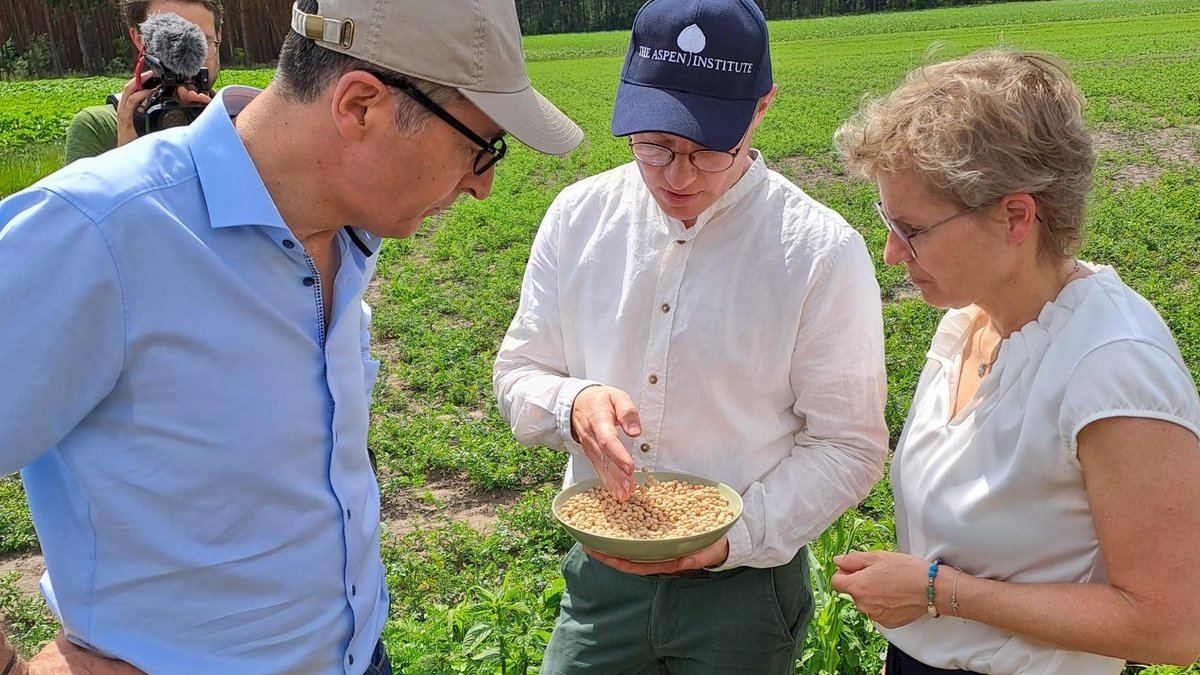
(1172, 146)
(29, 564)
(441, 499)
(902, 291)
(803, 170)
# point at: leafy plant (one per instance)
(505, 630)
(30, 623)
(840, 638)
(16, 527)
(1193, 669)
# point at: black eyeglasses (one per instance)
(490, 152)
(907, 237)
(710, 161)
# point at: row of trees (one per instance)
(579, 16)
(39, 38)
(56, 37)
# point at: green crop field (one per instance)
(471, 551)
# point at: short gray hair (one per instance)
(306, 69)
(982, 126)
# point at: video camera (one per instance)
(163, 110)
(175, 49)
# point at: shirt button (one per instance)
(653, 379)
(666, 308)
(644, 447)
(680, 241)
(309, 281)
(288, 243)
(351, 659)
(347, 514)
(353, 590)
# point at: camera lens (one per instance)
(177, 117)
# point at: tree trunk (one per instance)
(247, 49)
(83, 50)
(56, 56)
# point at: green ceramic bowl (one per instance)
(650, 550)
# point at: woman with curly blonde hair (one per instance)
(1045, 482)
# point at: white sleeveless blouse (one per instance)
(998, 490)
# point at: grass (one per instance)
(461, 598)
(25, 165)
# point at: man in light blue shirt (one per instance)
(186, 362)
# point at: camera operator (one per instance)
(101, 128)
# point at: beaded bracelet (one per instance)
(933, 570)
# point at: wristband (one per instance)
(929, 594)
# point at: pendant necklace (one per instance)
(984, 366)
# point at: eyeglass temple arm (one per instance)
(411, 90)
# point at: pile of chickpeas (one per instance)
(656, 510)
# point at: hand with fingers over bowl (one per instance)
(606, 512)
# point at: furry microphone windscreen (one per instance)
(176, 42)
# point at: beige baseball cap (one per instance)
(471, 45)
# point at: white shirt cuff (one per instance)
(566, 402)
(739, 546)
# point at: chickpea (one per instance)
(656, 510)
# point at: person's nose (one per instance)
(679, 173)
(896, 250)
(479, 187)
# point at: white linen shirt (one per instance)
(998, 490)
(751, 343)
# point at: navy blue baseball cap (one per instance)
(696, 69)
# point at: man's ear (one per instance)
(760, 110)
(136, 38)
(358, 102)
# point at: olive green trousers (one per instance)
(744, 620)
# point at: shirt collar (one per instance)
(952, 333)
(235, 193)
(950, 339)
(750, 180)
(366, 243)
(225, 168)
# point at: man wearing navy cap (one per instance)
(694, 311)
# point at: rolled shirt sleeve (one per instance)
(838, 375)
(533, 389)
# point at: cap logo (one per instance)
(691, 42)
(691, 39)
